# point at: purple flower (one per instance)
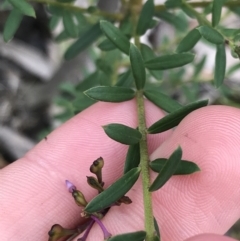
(70, 186)
(106, 234)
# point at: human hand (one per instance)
(33, 195)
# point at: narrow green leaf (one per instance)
(125, 79)
(115, 36)
(168, 170)
(55, 10)
(211, 35)
(123, 134)
(132, 158)
(188, 11)
(220, 65)
(173, 3)
(173, 119)
(145, 17)
(106, 45)
(216, 11)
(147, 54)
(61, 36)
(104, 66)
(189, 41)
(163, 101)
(110, 93)
(169, 61)
(85, 40)
(184, 168)
(69, 25)
(175, 20)
(81, 102)
(89, 82)
(233, 68)
(24, 7)
(13, 21)
(114, 192)
(138, 68)
(65, 1)
(136, 236)
(199, 66)
(156, 226)
(53, 22)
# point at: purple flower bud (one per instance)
(106, 234)
(70, 186)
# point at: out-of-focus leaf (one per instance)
(62, 36)
(216, 11)
(189, 41)
(173, 3)
(169, 61)
(184, 168)
(115, 36)
(132, 158)
(125, 79)
(85, 40)
(55, 10)
(145, 17)
(13, 21)
(229, 32)
(53, 22)
(176, 20)
(173, 119)
(82, 102)
(163, 101)
(103, 65)
(106, 45)
(110, 93)
(126, 26)
(138, 68)
(220, 65)
(232, 69)
(136, 236)
(199, 66)
(65, 1)
(69, 25)
(90, 81)
(113, 193)
(211, 35)
(168, 170)
(24, 7)
(147, 54)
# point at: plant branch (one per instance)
(72, 8)
(144, 164)
(135, 7)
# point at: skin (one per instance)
(33, 195)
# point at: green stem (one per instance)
(144, 164)
(136, 6)
(72, 8)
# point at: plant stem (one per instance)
(135, 7)
(144, 160)
(72, 8)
